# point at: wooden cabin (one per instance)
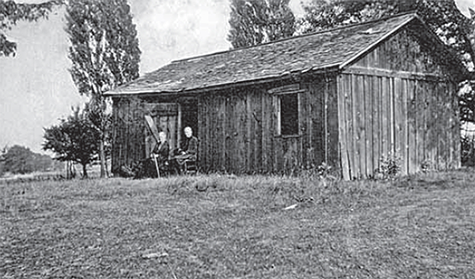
(347, 97)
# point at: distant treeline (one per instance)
(21, 160)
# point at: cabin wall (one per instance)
(128, 138)
(132, 140)
(396, 101)
(238, 128)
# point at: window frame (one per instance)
(277, 100)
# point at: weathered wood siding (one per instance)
(131, 138)
(397, 101)
(128, 137)
(238, 129)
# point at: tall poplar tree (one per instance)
(254, 22)
(105, 54)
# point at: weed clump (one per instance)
(390, 167)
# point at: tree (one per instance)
(104, 51)
(255, 22)
(323, 14)
(20, 160)
(75, 139)
(467, 92)
(11, 13)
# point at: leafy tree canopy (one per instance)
(255, 22)
(11, 13)
(104, 45)
(75, 139)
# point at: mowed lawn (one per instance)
(240, 227)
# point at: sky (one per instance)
(36, 89)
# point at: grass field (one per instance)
(240, 227)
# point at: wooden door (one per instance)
(165, 117)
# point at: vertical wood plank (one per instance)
(270, 139)
(391, 120)
(332, 124)
(412, 127)
(404, 127)
(443, 125)
(257, 104)
(361, 133)
(310, 151)
(126, 132)
(368, 116)
(427, 126)
(214, 143)
(318, 132)
(325, 120)
(241, 138)
(223, 132)
(115, 167)
(229, 132)
(208, 133)
(420, 121)
(398, 119)
(277, 144)
(250, 128)
(356, 128)
(385, 112)
(302, 115)
(347, 81)
(202, 125)
(431, 138)
(376, 122)
(179, 125)
(266, 117)
(342, 90)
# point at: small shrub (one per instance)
(324, 170)
(468, 150)
(390, 166)
(427, 166)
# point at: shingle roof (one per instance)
(331, 48)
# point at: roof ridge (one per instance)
(296, 37)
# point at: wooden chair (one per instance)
(190, 167)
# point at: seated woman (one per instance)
(161, 151)
(160, 154)
(188, 150)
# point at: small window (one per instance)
(286, 112)
(289, 114)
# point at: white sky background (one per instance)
(36, 89)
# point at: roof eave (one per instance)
(285, 75)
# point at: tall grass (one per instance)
(220, 226)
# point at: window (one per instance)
(289, 114)
(286, 112)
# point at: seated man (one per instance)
(188, 150)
